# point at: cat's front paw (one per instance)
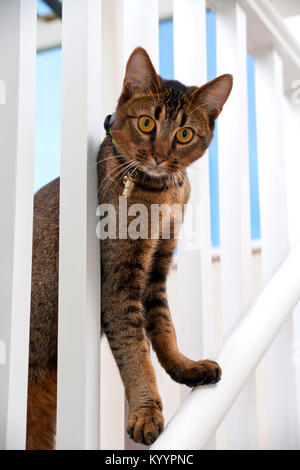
(145, 425)
(196, 373)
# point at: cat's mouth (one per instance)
(154, 170)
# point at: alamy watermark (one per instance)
(296, 92)
(2, 353)
(137, 221)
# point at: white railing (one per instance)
(17, 117)
(209, 294)
(79, 319)
(204, 409)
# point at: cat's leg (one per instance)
(160, 329)
(125, 265)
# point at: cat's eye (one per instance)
(185, 135)
(146, 124)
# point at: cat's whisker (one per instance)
(101, 161)
(118, 170)
(199, 170)
(122, 172)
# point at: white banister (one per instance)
(267, 29)
(274, 234)
(140, 28)
(205, 407)
(112, 407)
(78, 408)
(195, 319)
(126, 24)
(235, 237)
(17, 140)
(292, 166)
(195, 335)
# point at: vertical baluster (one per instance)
(79, 327)
(112, 407)
(196, 328)
(292, 163)
(112, 62)
(236, 267)
(140, 28)
(17, 116)
(274, 233)
(194, 258)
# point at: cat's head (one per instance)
(162, 126)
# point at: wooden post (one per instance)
(17, 140)
(196, 328)
(78, 409)
(233, 151)
(274, 234)
(292, 165)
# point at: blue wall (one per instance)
(48, 117)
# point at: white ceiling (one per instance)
(287, 7)
(284, 7)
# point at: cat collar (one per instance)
(108, 122)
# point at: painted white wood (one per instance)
(267, 29)
(126, 24)
(112, 408)
(48, 34)
(240, 356)
(78, 406)
(194, 259)
(140, 28)
(2, 92)
(196, 326)
(235, 237)
(274, 234)
(292, 165)
(17, 117)
(112, 73)
(112, 397)
(171, 394)
(2, 353)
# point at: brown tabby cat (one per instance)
(160, 127)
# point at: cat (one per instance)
(159, 128)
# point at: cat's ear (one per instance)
(140, 74)
(212, 96)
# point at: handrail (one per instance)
(205, 407)
(266, 28)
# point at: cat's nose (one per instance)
(159, 158)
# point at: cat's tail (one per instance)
(41, 411)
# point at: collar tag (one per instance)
(128, 181)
